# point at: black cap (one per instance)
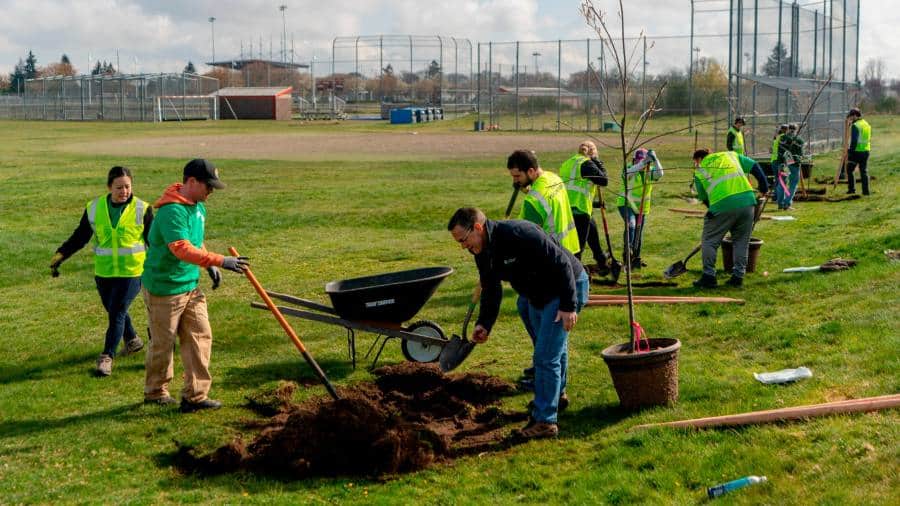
(741, 119)
(203, 170)
(854, 112)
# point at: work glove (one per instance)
(215, 276)
(236, 264)
(55, 263)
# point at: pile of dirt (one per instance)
(411, 417)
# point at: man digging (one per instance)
(552, 287)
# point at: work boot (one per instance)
(536, 430)
(735, 282)
(601, 270)
(165, 400)
(190, 407)
(706, 281)
(104, 365)
(133, 345)
(526, 384)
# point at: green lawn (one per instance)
(68, 437)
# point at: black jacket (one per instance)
(536, 266)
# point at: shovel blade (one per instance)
(675, 270)
(615, 270)
(455, 352)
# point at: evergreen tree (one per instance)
(98, 69)
(778, 63)
(30, 66)
(17, 77)
(189, 68)
(65, 59)
(434, 70)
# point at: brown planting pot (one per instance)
(645, 379)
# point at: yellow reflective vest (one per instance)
(738, 144)
(548, 197)
(863, 142)
(581, 191)
(721, 176)
(118, 252)
(635, 182)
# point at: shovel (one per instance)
(615, 267)
(458, 348)
(679, 267)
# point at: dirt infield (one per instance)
(314, 146)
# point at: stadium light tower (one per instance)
(536, 72)
(212, 36)
(283, 8)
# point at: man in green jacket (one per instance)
(734, 141)
(175, 305)
(722, 185)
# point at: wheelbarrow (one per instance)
(379, 304)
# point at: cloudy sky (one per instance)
(163, 35)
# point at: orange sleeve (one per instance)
(186, 252)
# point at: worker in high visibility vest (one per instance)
(546, 200)
(636, 178)
(858, 151)
(582, 173)
(773, 160)
(734, 141)
(722, 185)
(118, 223)
(790, 154)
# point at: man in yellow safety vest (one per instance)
(582, 173)
(722, 185)
(546, 201)
(734, 141)
(858, 151)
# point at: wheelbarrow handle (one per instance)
(287, 328)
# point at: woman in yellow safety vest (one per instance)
(629, 202)
(117, 223)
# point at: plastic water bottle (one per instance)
(724, 488)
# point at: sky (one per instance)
(163, 35)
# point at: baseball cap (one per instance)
(741, 119)
(203, 170)
(639, 155)
(854, 112)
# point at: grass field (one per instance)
(69, 437)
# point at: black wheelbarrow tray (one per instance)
(379, 304)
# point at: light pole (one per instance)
(283, 8)
(212, 36)
(536, 73)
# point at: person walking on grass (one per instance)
(552, 286)
(583, 173)
(858, 151)
(722, 185)
(117, 223)
(176, 306)
(629, 203)
(790, 154)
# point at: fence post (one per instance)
(491, 82)
(81, 97)
(558, 80)
(587, 86)
(517, 86)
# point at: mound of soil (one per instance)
(413, 416)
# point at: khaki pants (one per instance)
(184, 316)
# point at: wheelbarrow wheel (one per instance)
(423, 352)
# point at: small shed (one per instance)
(255, 103)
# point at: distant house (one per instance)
(566, 97)
(255, 103)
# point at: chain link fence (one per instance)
(137, 97)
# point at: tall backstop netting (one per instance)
(793, 63)
(121, 97)
(402, 69)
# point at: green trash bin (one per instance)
(610, 126)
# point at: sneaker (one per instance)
(735, 281)
(706, 281)
(560, 407)
(131, 346)
(528, 373)
(104, 365)
(601, 270)
(190, 407)
(165, 400)
(851, 192)
(536, 430)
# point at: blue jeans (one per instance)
(783, 198)
(629, 235)
(117, 295)
(551, 350)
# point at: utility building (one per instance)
(255, 103)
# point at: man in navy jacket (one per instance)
(552, 287)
